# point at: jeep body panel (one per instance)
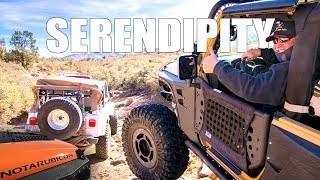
(101, 116)
(183, 99)
(25, 154)
(288, 147)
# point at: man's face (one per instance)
(282, 44)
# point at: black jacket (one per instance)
(265, 88)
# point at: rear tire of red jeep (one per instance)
(154, 144)
(103, 144)
(59, 118)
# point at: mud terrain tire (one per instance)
(59, 118)
(113, 121)
(103, 144)
(154, 144)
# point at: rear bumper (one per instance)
(31, 128)
(75, 169)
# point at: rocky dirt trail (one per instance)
(115, 166)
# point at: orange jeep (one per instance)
(35, 156)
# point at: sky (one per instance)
(32, 15)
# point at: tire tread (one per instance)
(173, 154)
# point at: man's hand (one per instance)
(210, 62)
(251, 54)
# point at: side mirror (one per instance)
(187, 67)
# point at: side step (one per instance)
(212, 164)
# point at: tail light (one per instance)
(33, 121)
(92, 123)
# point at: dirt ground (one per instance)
(115, 167)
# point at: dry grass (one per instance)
(132, 72)
(15, 90)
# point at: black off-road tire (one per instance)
(113, 121)
(68, 106)
(103, 144)
(154, 144)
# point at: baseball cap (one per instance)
(282, 29)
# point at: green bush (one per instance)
(24, 57)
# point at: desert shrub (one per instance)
(24, 57)
(24, 49)
(2, 48)
(15, 91)
(2, 53)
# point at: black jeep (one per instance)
(233, 137)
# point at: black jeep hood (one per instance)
(171, 68)
(8, 137)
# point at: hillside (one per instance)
(133, 74)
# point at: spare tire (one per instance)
(59, 118)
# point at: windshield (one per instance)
(252, 42)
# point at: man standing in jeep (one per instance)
(265, 88)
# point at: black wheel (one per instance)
(154, 144)
(103, 144)
(59, 118)
(113, 121)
